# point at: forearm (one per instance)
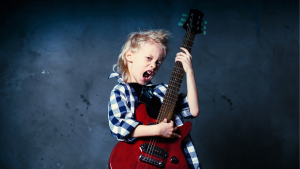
(192, 93)
(145, 130)
(163, 129)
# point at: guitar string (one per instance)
(154, 142)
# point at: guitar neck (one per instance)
(171, 96)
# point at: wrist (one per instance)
(158, 130)
(190, 72)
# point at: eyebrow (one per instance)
(149, 55)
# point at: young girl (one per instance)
(139, 61)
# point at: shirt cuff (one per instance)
(184, 106)
(126, 127)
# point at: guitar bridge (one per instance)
(151, 161)
(154, 150)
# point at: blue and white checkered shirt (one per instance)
(122, 105)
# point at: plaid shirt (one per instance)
(122, 105)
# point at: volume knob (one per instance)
(174, 160)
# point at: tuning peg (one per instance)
(203, 27)
(205, 22)
(184, 15)
(183, 20)
(180, 24)
(203, 32)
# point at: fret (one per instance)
(185, 46)
(190, 37)
(175, 83)
(171, 98)
(167, 99)
(176, 80)
(187, 36)
(176, 73)
(170, 105)
(173, 91)
(173, 87)
(178, 65)
(173, 95)
(177, 87)
(179, 69)
(188, 43)
(166, 113)
(188, 40)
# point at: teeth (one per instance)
(149, 74)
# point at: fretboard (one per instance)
(171, 96)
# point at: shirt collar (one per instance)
(120, 80)
(117, 76)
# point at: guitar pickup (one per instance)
(151, 161)
(154, 150)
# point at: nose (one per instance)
(153, 65)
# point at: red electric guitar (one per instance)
(158, 152)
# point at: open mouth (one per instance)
(147, 75)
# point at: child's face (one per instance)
(144, 64)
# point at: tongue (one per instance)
(146, 74)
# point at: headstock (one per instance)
(193, 22)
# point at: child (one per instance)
(139, 61)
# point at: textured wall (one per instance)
(55, 58)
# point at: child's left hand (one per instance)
(186, 59)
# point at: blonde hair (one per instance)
(134, 42)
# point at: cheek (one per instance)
(156, 70)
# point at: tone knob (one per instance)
(174, 160)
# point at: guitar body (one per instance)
(127, 155)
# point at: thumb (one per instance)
(165, 120)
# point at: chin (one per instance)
(143, 84)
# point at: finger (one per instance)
(182, 59)
(188, 58)
(182, 54)
(175, 135)
(185, 50)
(171, 122)
(175, 128)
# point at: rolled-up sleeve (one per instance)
(183, 106)
(120, 117)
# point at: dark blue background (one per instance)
(55, 57)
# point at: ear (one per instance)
(129, 56)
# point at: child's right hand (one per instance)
(167, 130)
